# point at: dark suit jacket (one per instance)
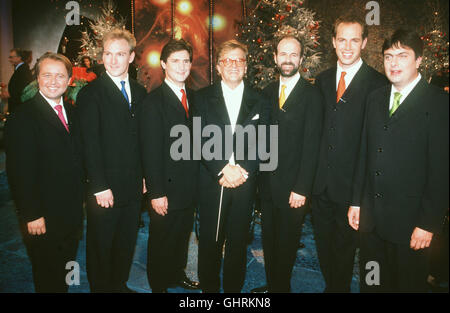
(164, 176)
(402, 177)
(19, 80)
(299, 130)
(342, 128)
(110, 138)
(211, 108)
(44, 166)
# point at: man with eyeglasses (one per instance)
(285, 192)
(227, 182)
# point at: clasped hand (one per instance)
(233, 176)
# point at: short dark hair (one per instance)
(351, 19)
(55, 57)
(175, 45)
(299, 40)
(22, 54)
(404, 38)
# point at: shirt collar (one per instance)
(18, 65)
(117, 80)
(291, 82)
(351, 71)
(174, 87)
(408, 88)
(238, 89)
(52, 102)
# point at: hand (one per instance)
(160, 205)
(420, 239)
(353, 217)
(105, 199)
(296, 200)
(234, 175)
(144, 188)
(36, 227)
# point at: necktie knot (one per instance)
(341, 87)
(58, 108)
(396, 103)
(282, 96)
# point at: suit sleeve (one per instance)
(89, 118)
(435, 199)
(151, 130)
(22, 162)
(310, 144)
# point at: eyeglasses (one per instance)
(229, 62)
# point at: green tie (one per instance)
(396, 104)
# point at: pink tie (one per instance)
(61, 116)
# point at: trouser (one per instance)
(281, 231)
(336, 243)
(391, 267)
(233, 234)
(168, 242)
(110, 243)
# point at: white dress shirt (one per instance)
(290, 84)
(53, 104)
(117, 81)
(177, 90)
(405, 91)
(350, 73)
(233, 101)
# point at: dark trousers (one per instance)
(233, 234)
(336, 243)
(49, 256)
(281, 230)
(168, 241)
(401, 269)
(110, 243)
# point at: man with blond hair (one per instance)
(227, 184)
(107, 109)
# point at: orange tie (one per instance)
(341, 87)
(184, 102)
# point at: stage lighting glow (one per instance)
(153, 59)
(160, 2)
(218, 22)
(184, 7)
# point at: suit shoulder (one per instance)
(376, 78)
(326, 73)
(439, 96)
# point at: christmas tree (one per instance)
(435, 53)
(91, 44)
(270, 20)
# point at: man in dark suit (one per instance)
(171, 181)
(107, 109)
(297, 111)
(19, 80)
(44, 168)
(227, 178)
(345, 89)
(400, 192)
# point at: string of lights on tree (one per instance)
(435, 60)
(109, 19)
(270, 20)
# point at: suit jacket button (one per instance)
(377, 195)
(330, 147)
(386, 127)
(380, 150)
(377, 173)
(334, 108)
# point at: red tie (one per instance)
(184, 102)
(341, 87)
(61, 116)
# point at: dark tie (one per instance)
(341, 87)
(184, 102)
(124, 92)
(61, 116)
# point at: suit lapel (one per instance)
(410, 102)
(48, 113)
(218, 104)
(172, 99)
(247, 105)
(294, 96)
(116, 96)
(330, 86)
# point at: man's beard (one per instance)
(291, 72)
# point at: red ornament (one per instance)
(277, 16)
(282, 17)
(305, 69)
(259, 40)
(270, 24)
(288, 8)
